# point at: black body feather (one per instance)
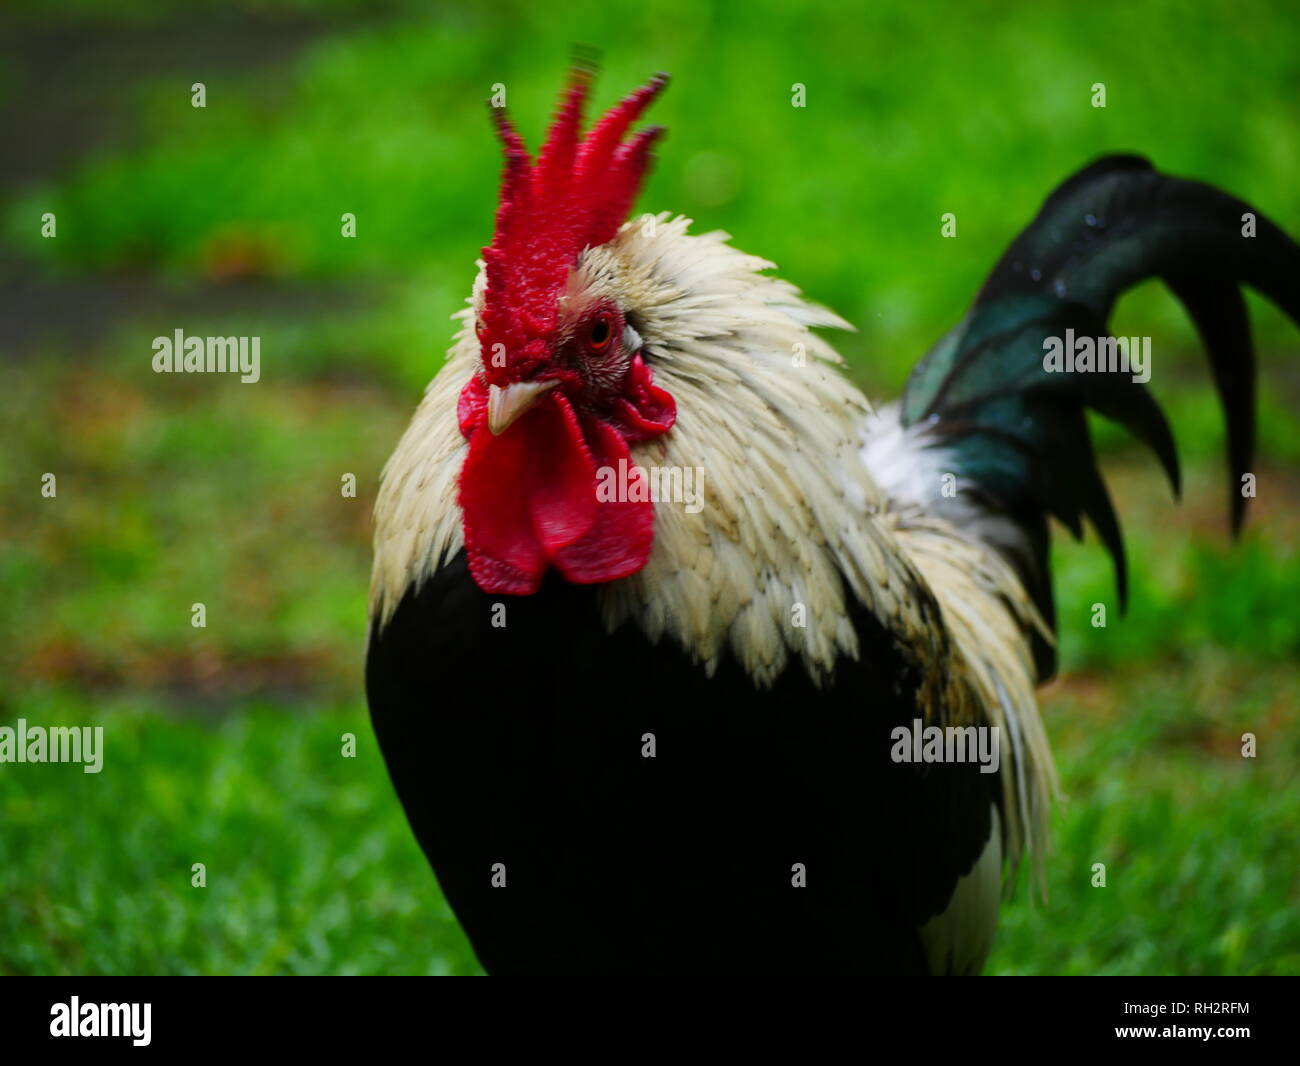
(1020, 432)
(523, 745)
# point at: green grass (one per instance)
(223, 743)
(310, 867)
(1202, 860)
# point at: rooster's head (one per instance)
(563, 388)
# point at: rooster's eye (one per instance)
(600, 333)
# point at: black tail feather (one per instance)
(1219, 311)
(1020, 432)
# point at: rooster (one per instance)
(634, 736)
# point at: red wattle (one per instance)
(619, 543)
(528, 496)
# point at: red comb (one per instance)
(575, 196)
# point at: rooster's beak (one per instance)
(506, 405)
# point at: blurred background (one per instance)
(222, 744)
